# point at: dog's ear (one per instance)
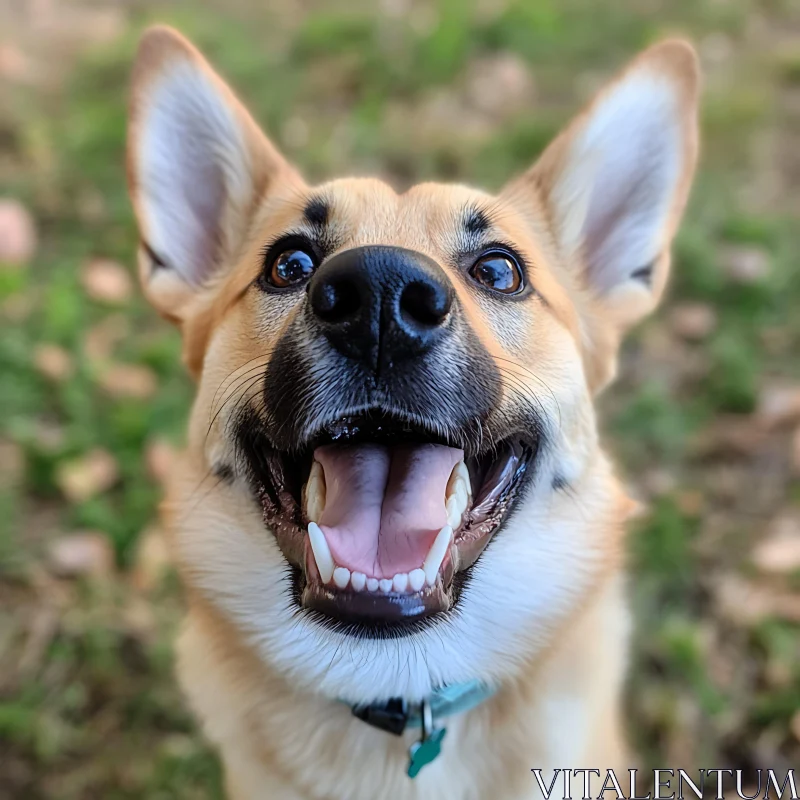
(614, 183)
(198, 165)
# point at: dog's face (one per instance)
(393, 480)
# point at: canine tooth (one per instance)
(321, 551)
(433, 561)
(341, 577)
(416, 579)
(454, 512)
(315, 492)
(460, 474)
(358, 580)
(386, 585)
(462, 494)
(463, 473)
(400, 582)
(372, 584)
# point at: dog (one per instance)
(393, 518)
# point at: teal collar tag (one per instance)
(396, 715)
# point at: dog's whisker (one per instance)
(230, 376)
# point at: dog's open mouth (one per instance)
(381, 517)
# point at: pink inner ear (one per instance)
(620, 175)
(628, 208)
(204, 196)
(190, 155)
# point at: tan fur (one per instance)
(559, 701)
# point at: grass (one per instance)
(95, 711)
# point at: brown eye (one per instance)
(497, 271)
(290, 268)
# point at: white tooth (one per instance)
(321, 551)
(453, 512)
(461, 495)
(386, 585)
(463, 473)
(341, 577)
(358, 580)
(460, 474)
(400, 582)
(372, 584)
(416, 579)
(315, 492)
(451, 486)
(436, 554)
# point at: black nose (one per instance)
(381, 305)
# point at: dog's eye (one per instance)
(290, 268)
(497, 271)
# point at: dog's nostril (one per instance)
(423, 303)
(336, 301)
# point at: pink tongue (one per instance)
(384, 505)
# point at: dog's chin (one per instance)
(407, 580)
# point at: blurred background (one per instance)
(704, 420)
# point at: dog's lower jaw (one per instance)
(278, 743)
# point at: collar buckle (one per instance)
(391, 716)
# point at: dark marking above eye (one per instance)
(316, 212)
(559, 483)
(476, 221)
(644, 274)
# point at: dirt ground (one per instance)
(704, 419)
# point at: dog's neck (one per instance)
(530, 722)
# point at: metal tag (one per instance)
(428, 748)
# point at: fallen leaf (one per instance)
(14, 64)
(778, 673)
(103, 25)
(747, 603)
(740, 601)
(107, 281)
(794, 725)
(690, 502)
(728, 435)
(152, 560)
(499, 85)
(779, 404)
(779, 551)
(17, 233)
(657, 482)
(796, 452)
(100, 341)
(693, 321)
(81, 554)
(140, 618)
(85, 477)
(48, 435)
(160, 458)
(129, 380)
(53, 361)
(745, 264)
(12, 464)
(17, 307)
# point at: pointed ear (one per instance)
(615, 182)
(198, 166)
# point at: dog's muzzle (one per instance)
(376, 454)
